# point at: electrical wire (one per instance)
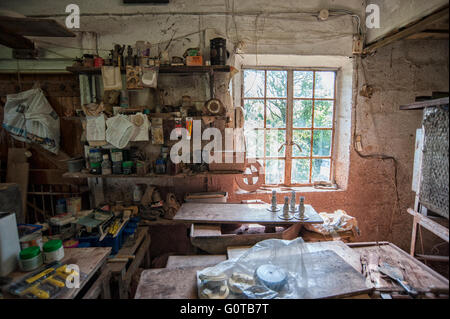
(375, 156)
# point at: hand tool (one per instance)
(396, 275)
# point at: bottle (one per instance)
(106, 165)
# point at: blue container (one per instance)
(136, 219)
(115, 243)
(84, 245)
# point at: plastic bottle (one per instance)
(106, 165)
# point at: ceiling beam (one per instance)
(408, 31)
(14, 41)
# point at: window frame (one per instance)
(288, 157)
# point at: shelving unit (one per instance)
(162, 69)
(205, 174)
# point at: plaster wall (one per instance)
(395, 14)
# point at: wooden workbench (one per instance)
(89, 260)
(174, 283)
(122, 272)
(208, 213)
(180, 282)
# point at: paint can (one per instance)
(33, 239)
(73, 205)
(61, 207)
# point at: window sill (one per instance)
(288, 190)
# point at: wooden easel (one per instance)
(420, 212)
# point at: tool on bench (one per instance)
(44, 283)
(396, 275)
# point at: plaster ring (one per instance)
(270, 209)
(297, 216)
(284, 217)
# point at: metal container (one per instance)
(75, 165)
(218, 51)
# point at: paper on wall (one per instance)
(119, 131)
(112, 78)
(95, 128)
(141, 126)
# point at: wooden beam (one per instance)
(36, 27)
(444, 259)
(435, 228)
(424, 104)
(14, 41)
(413, 29)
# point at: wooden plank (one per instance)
(168, 283)
(330, 277)
(432, 226)
(210, 213)
(423, 104)
(194, 261)
(418, 275)
(413, 29)
(18, 173)
(198, 230)
(13, 40)
(162, 69)
(36, 27)
(236, 251)
(100, 288)
(89, 260)
(443, 259)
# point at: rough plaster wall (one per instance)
(263, 25)
(397, 13)
(399, 73)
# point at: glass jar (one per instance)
(127, 167)
(106, 165)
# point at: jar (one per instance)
(95, 156)
(117, 168)
(96, 168)
(127, 167)
(53, 251)
(106, 165)
(30, 258)
(116, 155)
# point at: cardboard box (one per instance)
(194, 60)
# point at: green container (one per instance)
(127, 167)
(30, 258)
(52, 245)
(30, 252)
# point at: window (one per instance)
(289, 123)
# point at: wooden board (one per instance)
(209, 213)
(88, 259)
(167, 283)
(35, 27)
(330, 276)
(417, 274)
(210, 239)
(194, 261)
(181, 282)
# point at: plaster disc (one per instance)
(273, 210)
(297, 216)
(283, 217)
(271, 276)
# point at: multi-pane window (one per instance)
(289, 116)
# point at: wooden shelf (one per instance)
(206, 174)
(162, 69)
(425, 104)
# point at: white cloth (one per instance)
(119, 131)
